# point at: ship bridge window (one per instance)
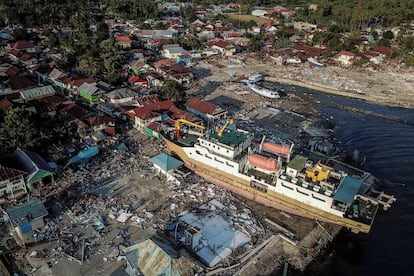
(303, 193)
(230, 165)
(208, 156)
(218, 160)
(198, 152)
(320, 199)
(286, 186)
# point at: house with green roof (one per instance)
(90, 92)
(165, 163)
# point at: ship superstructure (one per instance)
(266, 174)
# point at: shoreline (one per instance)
(387, 86)
(337, 92)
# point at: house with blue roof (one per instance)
(25, 220)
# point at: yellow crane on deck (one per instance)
(179, 122)
(223, 128)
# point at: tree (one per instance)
(407, 44)
(173, 90)
(384, 42)
(113, 78)
(20, 34)
(255, 43)
(52, 40)
(335, 44)
(102, 32)
(375, 35)
(19, 130)
(409, 59)
(388, 35)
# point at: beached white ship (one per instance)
(264, 91)
(315, 63)
(228, 158)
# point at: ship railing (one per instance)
(308, 185)
(383, 199)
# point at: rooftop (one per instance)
(348, 189)
(298, 163)
(219, 238)
(38, 92)
(27, 212)
(200, 105)
(166, 162)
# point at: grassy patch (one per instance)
(248, 17)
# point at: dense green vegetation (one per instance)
(350, 14)
(25, 129)
(72, 12)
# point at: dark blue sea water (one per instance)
(389, 148)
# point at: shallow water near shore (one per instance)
(389, 150)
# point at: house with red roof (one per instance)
(208, 111)
(12, 184)
(346, 58)
(5, 104)
(224, 47)
(20, 83)
(233, 5)
(72, 83)
(155, 111)
(383, 51)
(145, 115)
(136, 81)
(75, 112)
(24, 45)
(123, 41)
(97, 122)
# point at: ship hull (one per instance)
(270, 198)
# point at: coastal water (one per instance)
(389, 150)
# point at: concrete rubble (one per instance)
(100, 207)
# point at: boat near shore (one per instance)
(267, 174)
(262, 91)
(315, 63)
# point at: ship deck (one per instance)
(231, 138)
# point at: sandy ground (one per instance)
(387, 85)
